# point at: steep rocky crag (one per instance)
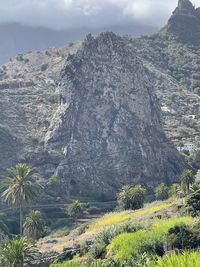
(108, 125)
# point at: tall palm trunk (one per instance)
(21, 219)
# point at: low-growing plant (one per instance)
(182, 237)
(186, 259)
(128, 245)
(98, 250)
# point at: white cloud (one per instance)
(84, 13)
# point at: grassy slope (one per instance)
(124, 246)
(166, 208)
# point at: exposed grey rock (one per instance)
(185, 23)
(108, 125)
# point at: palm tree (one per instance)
(124, 197)
(20, 188)
(187, 179)
(131, 197)
(34, 225)
(76, 210)
(17, 253)
(162, 191)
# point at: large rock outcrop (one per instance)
(108, 125)
(184, 24)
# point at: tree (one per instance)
(34, 225)
(174, 190)
(162, 191)
(194, 159)
(19, 188)
(193, 203)
(187, 179)
(76, 210)
(17, 253)
(131, 197)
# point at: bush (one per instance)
(181, 237)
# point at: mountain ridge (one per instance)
(40, 117)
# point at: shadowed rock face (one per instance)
(108, 125)
(185, 22)
(9, 146)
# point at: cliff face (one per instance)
(185, 22)
(108, 125)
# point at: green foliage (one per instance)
(174, 190)
(186, 259)
(34, 225)
(193, 203)
(195, 159)
(17, 253)
(53, 180)
(108, 234)
(187, 179)
(68, 264)
(76, 209)
(162, 192)
(182, 237)
(20, 188)
(98, 250)
(128, 245)
(198, 175)
(131, 198)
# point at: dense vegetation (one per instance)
(136, 234)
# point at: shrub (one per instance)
(181, 237)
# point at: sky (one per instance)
(59, 14)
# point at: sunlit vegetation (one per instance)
(128, 245)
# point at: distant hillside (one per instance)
(88, 113)
(173, 57)
(16, 39)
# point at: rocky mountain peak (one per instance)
(184, 7)
(184, 23)
(108, 124)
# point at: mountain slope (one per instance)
(174, 63)
(101, 126)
